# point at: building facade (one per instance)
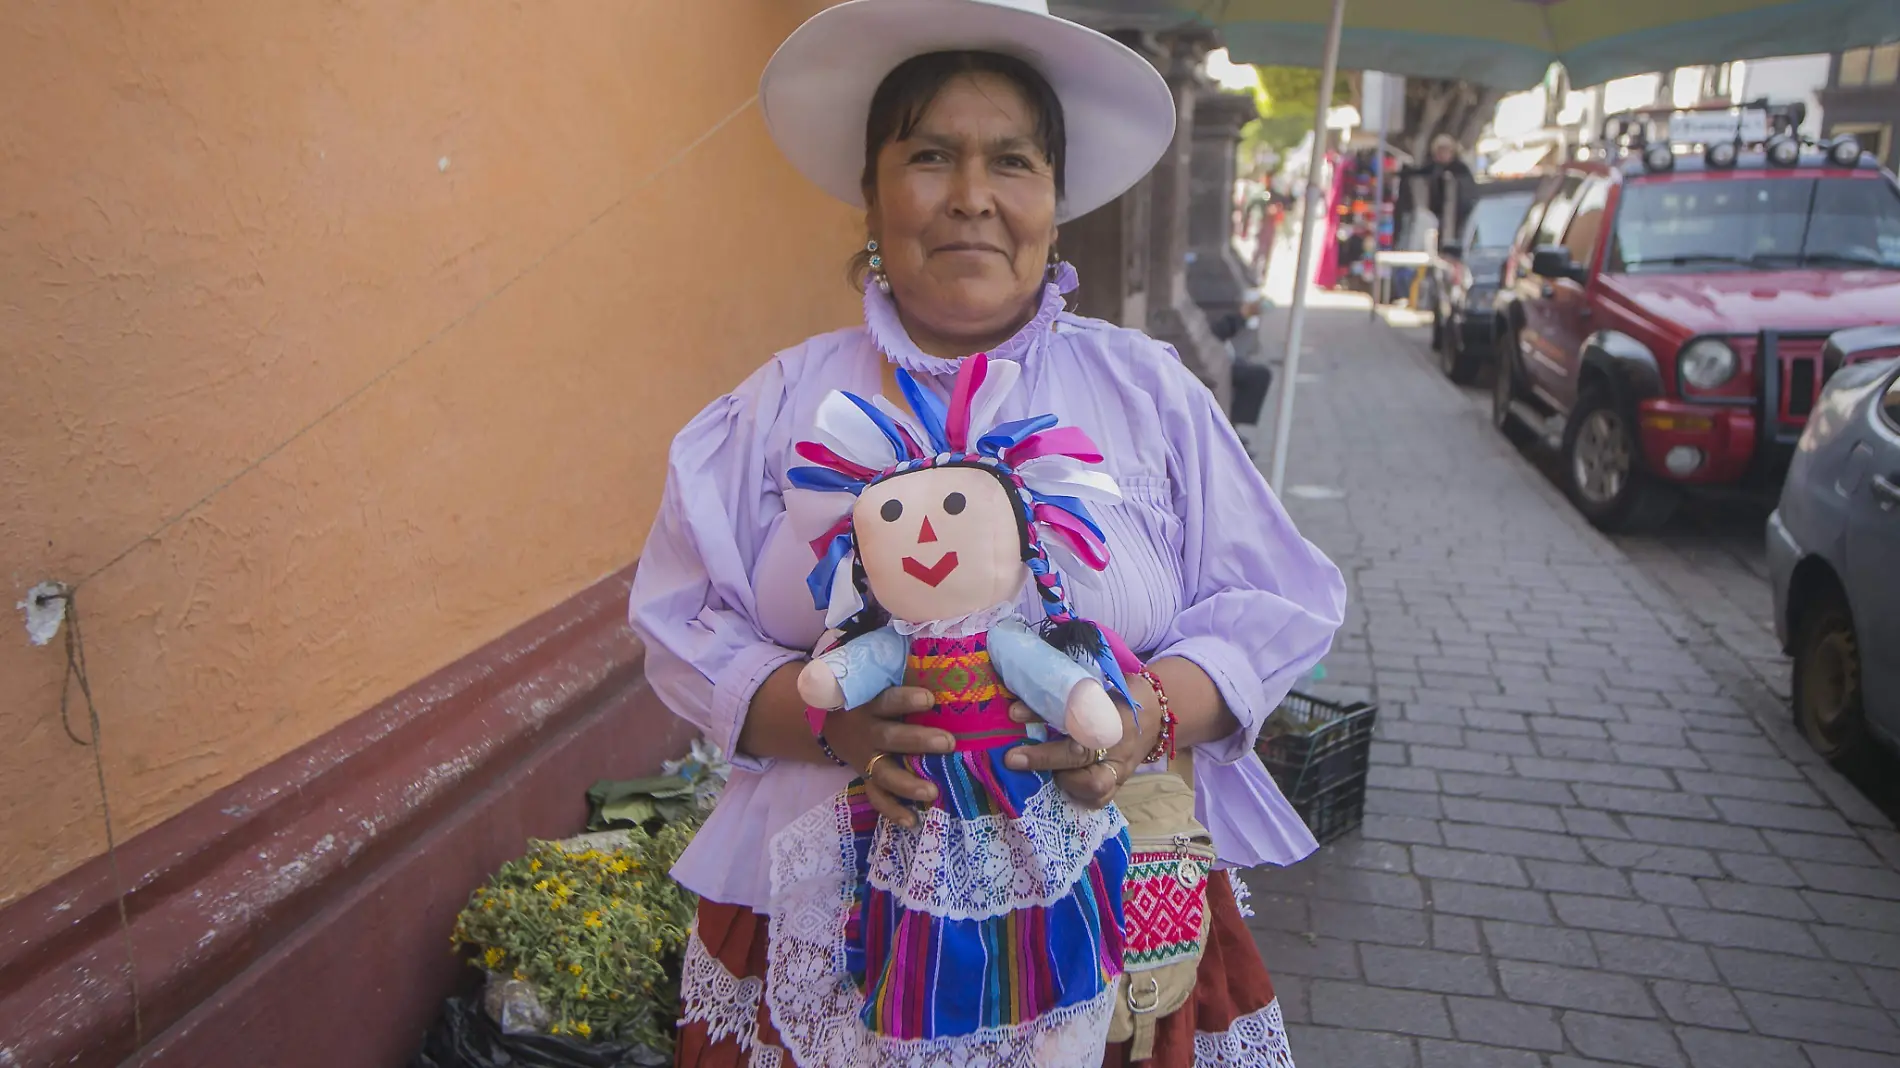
(1863, 98)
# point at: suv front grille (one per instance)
(1802, 376)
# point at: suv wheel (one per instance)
(1603, 470)
(1827, 705)
(1459, 362)
(1504, 387)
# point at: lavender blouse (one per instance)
(1205, 565)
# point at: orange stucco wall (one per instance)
(338, 338)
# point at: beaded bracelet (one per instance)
(826, 746)
(815, 719)
(1164, 744)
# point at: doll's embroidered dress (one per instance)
(991, 933)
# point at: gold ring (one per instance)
(872, 765)
(1101, 756)
(1115, 771)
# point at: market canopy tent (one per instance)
(1507, 44)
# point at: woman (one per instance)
(965, 159)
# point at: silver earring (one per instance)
(877, 267)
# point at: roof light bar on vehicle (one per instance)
(1722, 154)
(1784, 151)
(1844, 151)
(1659, 159)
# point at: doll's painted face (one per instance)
(939, 543)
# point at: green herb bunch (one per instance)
(598, 933)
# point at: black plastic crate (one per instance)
(1317, 751)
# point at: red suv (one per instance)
(1663, 313)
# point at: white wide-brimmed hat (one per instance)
(816, 92)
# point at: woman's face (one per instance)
(964, 213)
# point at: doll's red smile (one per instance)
(933, 574)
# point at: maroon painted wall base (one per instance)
(300, 917)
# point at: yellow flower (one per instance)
(493, 956)
(583, 1029)
(542, 886)
(592, 919)
(521, 975)
(582, 992)
(655, 948)
(534, 865)
(575, 968)
(621, 866)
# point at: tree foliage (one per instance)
(1286, 97)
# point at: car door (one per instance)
(1568, 316)
(1537, 348)
(1873, 559)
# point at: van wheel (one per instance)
(1461, 365)
(1603, 471)
(1505, 388)
(1827, 697)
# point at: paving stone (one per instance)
(1763, 871)
(1485, 719)
(1527, 844)
(1426, 969)
(1836, 1057)
(1884, 985)
(1500, 742)
(1656, 958)
(1356, 852)
(1489, 902)
(1768, 814)
(1357, 1004)
(1399, 730)
(1565, 747)
(1529, 817)
(1382, 828)
(1748, 745)
(1651, 802)
(1369, 887)
(1354, 922)
(1859, 947)
(1401, 803)
(1546, 945)
(1646, 856)
(1388, 753)
(1623, 1041)
(1290, 992)
(1654, 828)
(1391, 777)
(1467, 866)
(1500, 1023)
(1827, 849)
(1776, 901)
(1713, 784)
(1667, 889)
(1657, 756)
(1737, 931)
(1434, 1053)
(1849, 911)
(1320, 958)
(1507, 789)
(1574, 988)
(1578, 878)
(1456, 934)
(1775, 973)
(1647, 734)
(1752, 767)
(1700, 1004)
(1723, 1049)
(1608, 914)
(1848, 879)
(1583, 771)
(1430, 756)
(1810, 1019)
(1332, 1047)
(1590, 823)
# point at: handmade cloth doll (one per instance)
(990, 933)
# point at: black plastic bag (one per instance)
(464, 1037)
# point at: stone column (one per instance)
(1173, 316)
(1216, 277)
(1109, 246)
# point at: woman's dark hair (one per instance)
(909, 90)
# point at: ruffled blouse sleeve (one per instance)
(1263, 603)
(693, 600)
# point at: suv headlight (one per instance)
(1707, 364)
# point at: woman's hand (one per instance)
(858, 735)
(1076, 769)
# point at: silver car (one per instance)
(1834, 549)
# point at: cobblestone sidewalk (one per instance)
(1582, 847)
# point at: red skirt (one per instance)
(1232, 1020)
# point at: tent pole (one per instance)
(1296, 318)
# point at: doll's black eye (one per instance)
(892, 510)
(954, 504)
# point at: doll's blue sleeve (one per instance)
(868, 664)
(1039, 674)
